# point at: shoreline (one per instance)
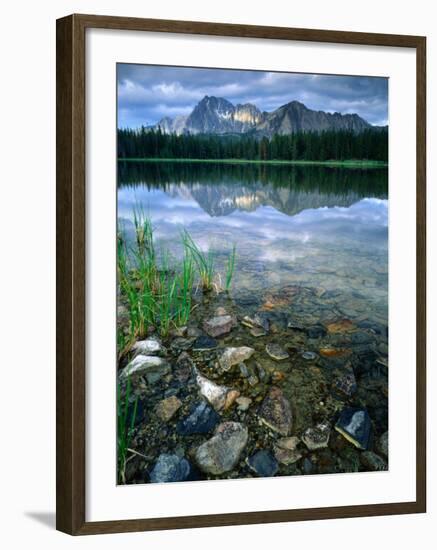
(332, 163)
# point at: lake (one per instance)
(313, 226)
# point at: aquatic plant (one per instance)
(157, 290)
(204, 261)
(125, 425)
(230, 268)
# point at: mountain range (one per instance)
(216, 115)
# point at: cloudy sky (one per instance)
(147, 93)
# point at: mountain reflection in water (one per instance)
(310, 225)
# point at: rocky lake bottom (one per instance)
(285, 385)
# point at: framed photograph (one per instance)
(240, 274)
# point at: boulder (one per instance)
(152, 367)
(354, 424)
(275, 412)
(169, 468)
(201, 419)
(317, 437)
(234, 356)
(222, 452)
(263, 463)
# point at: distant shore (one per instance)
(339, 163)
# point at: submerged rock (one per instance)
(256, 332)
(263, 463)
(373, 462)
(317, 437)
(204, 343)
(217, 326)
(308, 355)
(257, 321)
(234, 356)
(202, 419)
(338, 327)
(316, 331)
(345, 384)
(181, 344)
(167, 408)
(277, 352)
(170, 468)
(184, 367)
(222, 452)
(152, 367)
(354, 424)
(275, 412)
(150, 346)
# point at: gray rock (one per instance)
(202, 419)
(275, 412)
(181, 344)
(222, 452)
(317, 437)
(371, 461)
(287, 456)
(234, 356)
(263, 463)
(308, 355)
(169, 468)
(277, 352)
(150, 346)
(217, 326)
(184, 367)
(153, 368)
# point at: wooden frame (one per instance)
(70, 204)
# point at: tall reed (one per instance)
(125, 427)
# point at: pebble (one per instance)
(317, 437)
(201, 419)
(275, 412)
(167, 408)
(275, 351)
(234, 356)
(217, 326)
(263, 463)
(153, 368)
(170, 468)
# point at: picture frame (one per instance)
(71, 204)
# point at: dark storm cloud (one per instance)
(147, 93)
